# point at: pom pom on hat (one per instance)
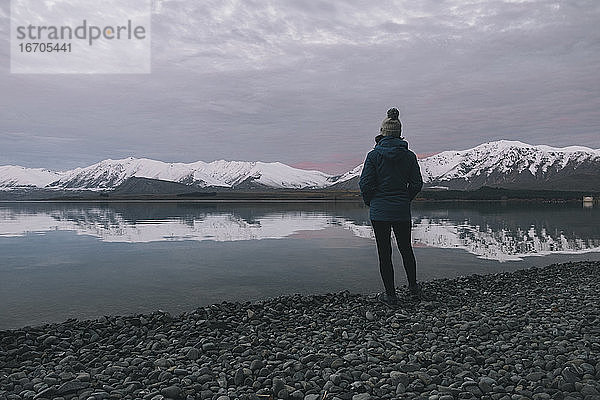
(393, 113)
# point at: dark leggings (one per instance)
(384, 248)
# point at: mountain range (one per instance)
(506, 164)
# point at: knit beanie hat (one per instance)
(391, 126)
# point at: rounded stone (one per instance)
(173, 392)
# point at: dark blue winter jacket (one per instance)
(390, 179)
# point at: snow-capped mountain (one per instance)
(12, 176)
(109, 174)
(508, 164)
(513, 164)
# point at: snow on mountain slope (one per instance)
(13, 176)
(277, 175)
(507, 162)
(354, 172)
(108, 174)
(503, 163)
(111, 173)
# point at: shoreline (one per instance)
(528, 334)
(299, 200)
(482, 195)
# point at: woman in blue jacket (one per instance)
(390, 180)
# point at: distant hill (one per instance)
(135, 185)
(495, 193)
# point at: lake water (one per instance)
(83, 260)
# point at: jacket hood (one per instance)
(391, 147)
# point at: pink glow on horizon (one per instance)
(340, 167)
(338, 164)
(425, 155)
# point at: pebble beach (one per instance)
(529, 334)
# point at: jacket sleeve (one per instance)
(368, 180)
(415, 180)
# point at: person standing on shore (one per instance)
(390, 180)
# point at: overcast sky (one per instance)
(308, 82)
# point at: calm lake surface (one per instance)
(83, 260)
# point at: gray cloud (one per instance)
(309, 82)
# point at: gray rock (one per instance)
(205, 378)
(399, 377)
(83, 377)
(569, 375)
(278, 384)
(588, 368)
(256, 365)
(471, 387)
(50, 340)
(27, 394)
(535, 376)
(47, 393)
(337, 363)
(362, 396)
(172, 392)
(239, 377)
(66, 376)
(163, 363)
(193, 354)
(589, 390)
(424, 377)
(486, 384)
(16, 376)
(208, 346)
(417, 327)
(410, 367)
(336, 379)
(71, 386)
(400, 388)
(50, 380)
(541, 396)
(181, 371)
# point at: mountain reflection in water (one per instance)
(489, 231)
